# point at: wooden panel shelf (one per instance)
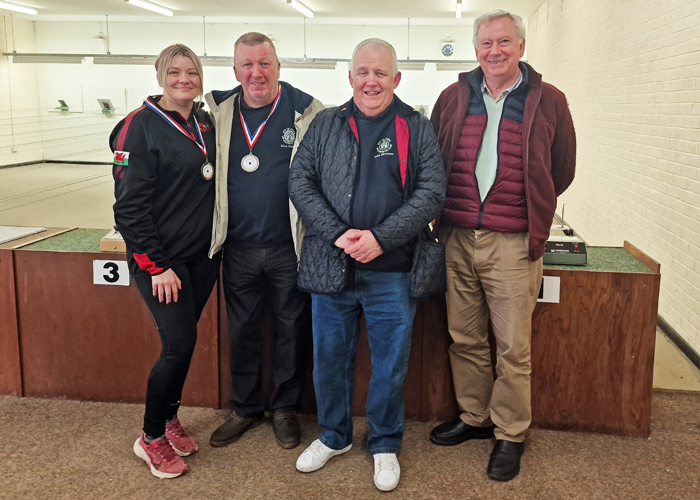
(592, 353)
(96, 343)
(10, 371)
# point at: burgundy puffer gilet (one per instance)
(504, 208)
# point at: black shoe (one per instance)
(286, 429)
(232, 429)
(457, 432)
(504, 463)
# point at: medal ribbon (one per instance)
(179, 127)
(252, 140)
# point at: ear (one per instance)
(397, 79)
(350, 76)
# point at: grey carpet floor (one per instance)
(57, 449)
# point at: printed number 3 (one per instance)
(113, 275)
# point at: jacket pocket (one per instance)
(428, 274)
(323, 267)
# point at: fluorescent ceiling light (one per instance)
(458, 9)
(440, 66)
(18, 8)
(216, 61)
(301, 8)
(152, 6)
(309, 64)
(127, 60)
(408, 66)
(47, 58)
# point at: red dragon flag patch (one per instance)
(121, 158)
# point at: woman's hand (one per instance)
(166, 285)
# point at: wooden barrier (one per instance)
(10, 372)
(592, 354)
(96, 343)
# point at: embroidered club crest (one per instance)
(289, 135)
(384, 145)
(121, 158)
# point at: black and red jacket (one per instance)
(164, 206)
(322, 180)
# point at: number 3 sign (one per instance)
(108, 272)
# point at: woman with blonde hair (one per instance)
(164, 207)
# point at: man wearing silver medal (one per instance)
(258, 127)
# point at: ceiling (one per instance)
(359, 11)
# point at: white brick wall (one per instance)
(631, 72)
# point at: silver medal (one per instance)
(250, 163)
(208, 171)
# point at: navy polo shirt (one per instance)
(378, 190)
(259, 200)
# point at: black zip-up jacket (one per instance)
(164, 206)
(321, 182)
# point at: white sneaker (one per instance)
(316, 456)
(386, 471)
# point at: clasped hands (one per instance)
(361, 245)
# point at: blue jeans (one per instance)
(389, 312)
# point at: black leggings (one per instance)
(177, 326)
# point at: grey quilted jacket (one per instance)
(321, 183)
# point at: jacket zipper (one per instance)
(408, 186)
(476, 179)
(356, 179)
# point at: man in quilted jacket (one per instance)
(509, 149)
(367, 179)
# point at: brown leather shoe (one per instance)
(231, 430)
(286, 428)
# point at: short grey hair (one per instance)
(374, 44)
(253, 39)
(496, 14)
(165, 60)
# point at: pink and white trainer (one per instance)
(160, 457)
(182, 443)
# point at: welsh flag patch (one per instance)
(121, 158)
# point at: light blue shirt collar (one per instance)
(503, 95)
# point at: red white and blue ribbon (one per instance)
(252, 139)
(179, 127)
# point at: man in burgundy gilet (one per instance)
(509, 148)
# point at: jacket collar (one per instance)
(300, 100)
(402, 109)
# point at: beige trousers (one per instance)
(489, 274)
